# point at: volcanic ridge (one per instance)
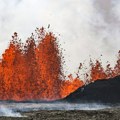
(100, 91)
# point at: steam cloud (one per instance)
(26, 107)
(88, 27)
(8, 112)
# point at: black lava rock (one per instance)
(102, 91)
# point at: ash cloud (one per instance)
(88, 27)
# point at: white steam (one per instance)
(26, 107)
(88, 27)
(4, 111)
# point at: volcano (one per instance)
(100, 91)
(34, 70)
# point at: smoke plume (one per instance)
(86, 27)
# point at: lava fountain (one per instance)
(33, 71)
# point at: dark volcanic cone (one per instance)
(103, 91)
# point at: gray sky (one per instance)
(86, 27)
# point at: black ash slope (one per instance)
(101, 91)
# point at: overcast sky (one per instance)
(86, 27)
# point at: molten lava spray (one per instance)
(33, 71)
(98, 72)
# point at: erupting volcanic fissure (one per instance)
(33, 71)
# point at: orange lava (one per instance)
(33, 71)
(97, 72)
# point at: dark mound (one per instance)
(101, 91)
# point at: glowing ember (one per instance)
(34, 71)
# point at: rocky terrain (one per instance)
(107, 114)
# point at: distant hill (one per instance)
(103, 91)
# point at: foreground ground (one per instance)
(108, 114)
